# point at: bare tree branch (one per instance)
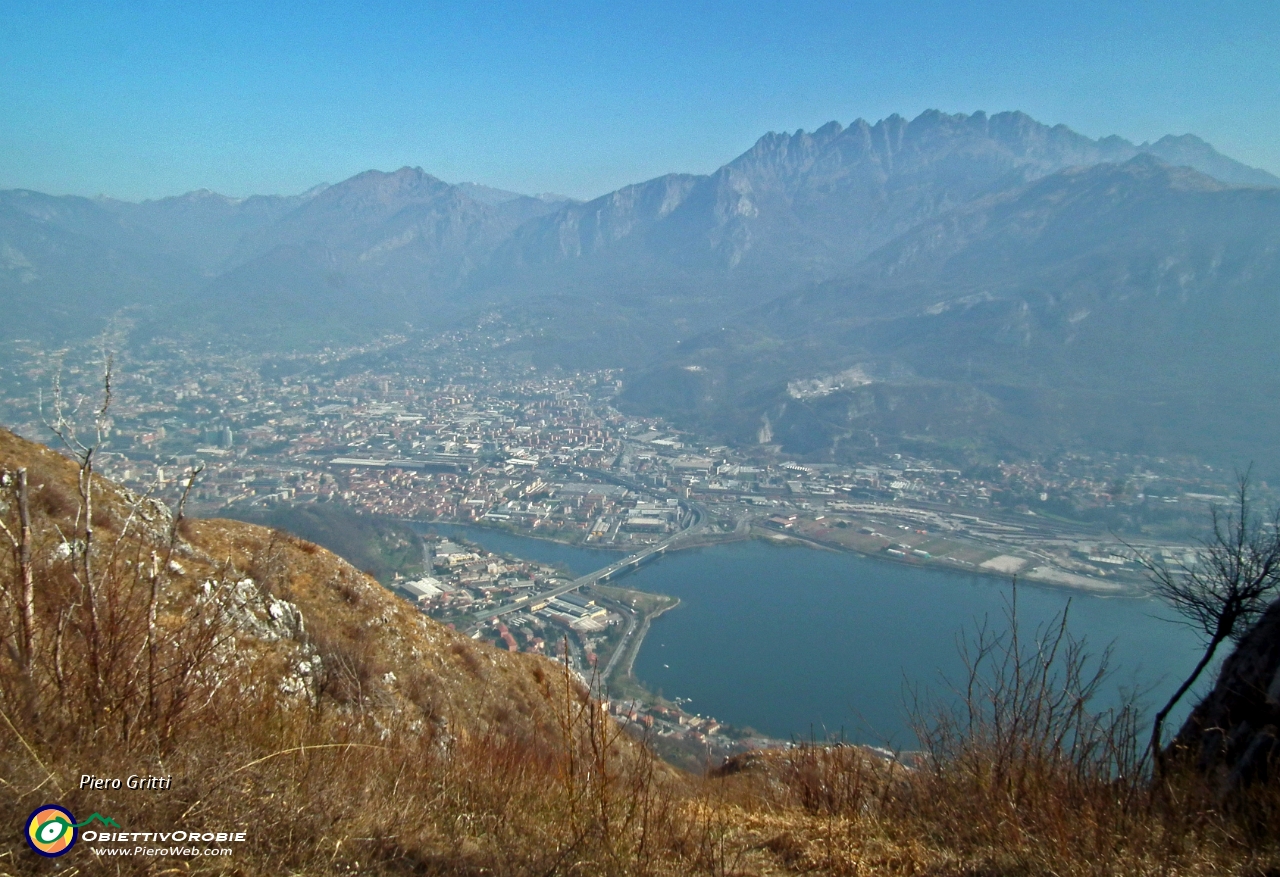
(1223, 591)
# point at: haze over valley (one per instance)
(992, 283)
(665, 439)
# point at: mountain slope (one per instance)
(285, 694)
(68, 265)
(382, 251)
(291, 600)
(1119, 306)
(677, 253)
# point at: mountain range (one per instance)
(1127, 307)
(952, 280)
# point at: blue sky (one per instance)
(146, 99)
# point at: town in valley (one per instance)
(442, 430)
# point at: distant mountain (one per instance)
(818, 202)
(671, 255)
(67, 265)
(377, 251)
(204, 227)
(1190, 151)
(987, 277)
(1117, 306)
(489, 195)
(681, 251)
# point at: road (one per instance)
(601, 680)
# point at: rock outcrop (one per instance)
(1233, 735)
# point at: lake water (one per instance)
(793, 641)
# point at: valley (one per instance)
(1000, 287)
(355, 451)
(640, 440)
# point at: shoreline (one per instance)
(1091, 586)
(1100, 589)
(622, 685)
(630, 661)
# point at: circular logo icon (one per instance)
(51, 830)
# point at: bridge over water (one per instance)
(626, 564)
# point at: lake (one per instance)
(794, 641)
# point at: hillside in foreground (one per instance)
(289, 697)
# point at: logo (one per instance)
(51, 830)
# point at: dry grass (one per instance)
(406, 748)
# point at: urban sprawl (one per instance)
(464, 428)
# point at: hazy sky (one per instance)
(145, 99)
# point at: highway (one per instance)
(601, 679)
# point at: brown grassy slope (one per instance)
(379, 649)
(286, 693)
(364, 629)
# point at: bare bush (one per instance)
(1235, 575)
